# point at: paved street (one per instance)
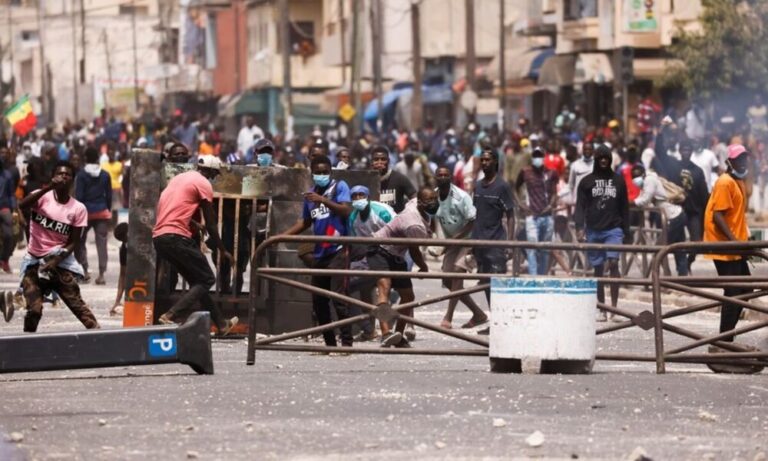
(302, 406)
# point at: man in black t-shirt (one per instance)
(396, 188)
(493, 200)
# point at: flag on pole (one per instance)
(21, 116)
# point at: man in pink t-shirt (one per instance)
(185, 196)
(55, 226)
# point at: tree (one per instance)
(728, 56)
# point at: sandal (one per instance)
(472, 323)
(446, 324)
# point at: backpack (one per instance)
(675, 194)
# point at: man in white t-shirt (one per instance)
(709, 164)
(56, 223)
(248, 135)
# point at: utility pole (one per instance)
(502, 67)
(10, 50)
(416, 102)
(358, 52)
(470, 58)
(105, 41)
(343, 43)
(285, 39)
(135, 58)
(82, 41)
(75, 83)
(236, 13)
(44, 102)
(377, 49)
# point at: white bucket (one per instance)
(545, 319)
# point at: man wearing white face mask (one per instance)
(326, 209)
(367, 217)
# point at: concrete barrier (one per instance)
(551, 320)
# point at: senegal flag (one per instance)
(21, 117)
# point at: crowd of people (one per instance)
(533, 182)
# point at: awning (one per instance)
(310, 115)
(557, 71)
(520, 63)
(653, 68)
(430, 94)
(593, 68)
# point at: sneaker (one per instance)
(390, 339)
(363, 336)
(165, 319)
(229, 326)
(732, 369)
(403, 344)
(602, 316)
(8, 305)
(410, 333)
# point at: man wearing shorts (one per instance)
(602, 216)
(413, 222)
(367, 217)
(456, 216)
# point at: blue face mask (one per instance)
(360, 204)
(638, 181)
(264, 159)
(321, 180)
(537, 162)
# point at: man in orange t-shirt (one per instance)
(725, 220)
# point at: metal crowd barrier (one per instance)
(646, 320)
(740, 354)
(278, 275)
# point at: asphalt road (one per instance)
(301, 406)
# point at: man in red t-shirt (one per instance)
(181, 200)
(55, 226)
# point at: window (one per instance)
(303, 38)
(579, 9)
(130, 9)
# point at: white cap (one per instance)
(209, 161)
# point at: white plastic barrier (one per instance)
(548, 319)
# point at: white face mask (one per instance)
(360, 204)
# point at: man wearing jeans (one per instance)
(541, 192)
(181, 202)
(725, 220)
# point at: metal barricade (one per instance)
(278, 275)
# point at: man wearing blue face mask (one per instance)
(326, 209)
(264, 152)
